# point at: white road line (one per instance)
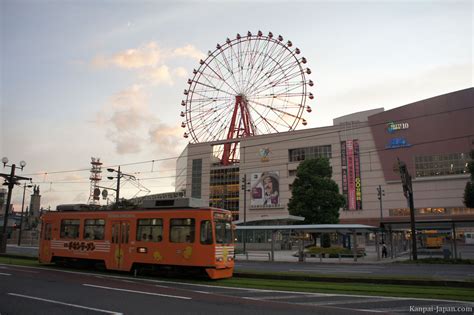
(241, 289)
(5, 274)
(335, 271)
(66, 304)
(139, 292)
(285, 297)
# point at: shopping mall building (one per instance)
(433, 137)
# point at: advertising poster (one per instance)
(344, 173)
(351, 174)
(265, 190)
(358, 183)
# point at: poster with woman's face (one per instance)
(265, 190)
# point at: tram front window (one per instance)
(223, 232)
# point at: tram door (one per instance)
(45, 242)
(120, 244)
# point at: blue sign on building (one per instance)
(396, 143)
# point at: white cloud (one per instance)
(159, 75)
(144, 56)
(189, 51)
(180, 72)
(167, 138)
(126, 118)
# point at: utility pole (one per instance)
(119, 176)
(22, 207)
(380, 195)
(11, 181)
(408, 192)
(244, 188)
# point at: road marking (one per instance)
(66, 304)
(139, 292)
(230, 288)
(336, 271)
(5, 274)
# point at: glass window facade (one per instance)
(224, 189)
(441, 164)
(300, 154)
(196, 178)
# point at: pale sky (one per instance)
(106, 78)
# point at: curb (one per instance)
(440, 283)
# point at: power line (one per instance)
(352, 128)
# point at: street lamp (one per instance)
(119, 176)
(244, 188)
(10, 181)
(22, 207)
(380, 195)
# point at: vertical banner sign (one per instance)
(351, 174)
(344, 172)
(358, 183)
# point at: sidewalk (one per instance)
(287, 256)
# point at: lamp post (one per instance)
(22, 207)
(10, 180)
(244, 188)
(119, 176)
(380, 195)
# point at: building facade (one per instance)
(432, 137)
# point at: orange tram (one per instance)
(169, 239)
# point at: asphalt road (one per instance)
(31, 290)
(433, 271)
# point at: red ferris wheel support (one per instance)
(244, 128)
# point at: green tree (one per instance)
(469, 190)
(315, 196)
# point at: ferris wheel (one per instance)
(251, 85)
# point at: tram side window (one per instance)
(150, 230)
(94, 229)
(182, 230)
(70, 229)
(206, 232)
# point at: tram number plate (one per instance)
(80, 246)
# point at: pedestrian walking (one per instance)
(384, 250)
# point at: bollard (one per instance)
(320, 257)
(339, 256)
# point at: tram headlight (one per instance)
(142, 250)
(219, 259)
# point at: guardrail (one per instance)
(248, 255)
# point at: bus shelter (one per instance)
(449, 226)
(344, 229)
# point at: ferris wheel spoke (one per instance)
(261, 75)
(279, 87)
(277, 75)
(226, 66)
(269, 122)
(251, 52)
(274, 60)
(262, 62)
(274, 109)
(256, 60)
(213, 88)
(221, 74)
